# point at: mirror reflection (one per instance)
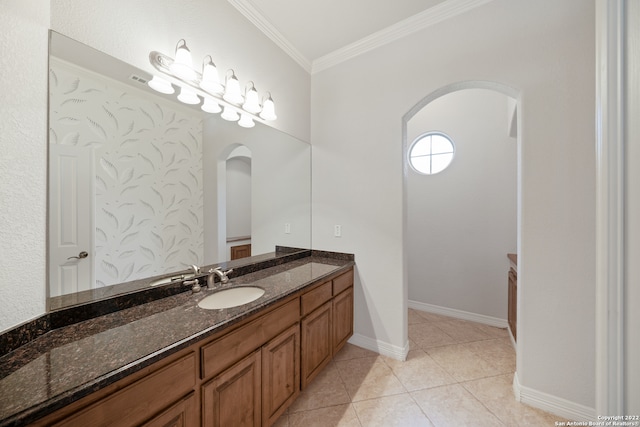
(141, 185)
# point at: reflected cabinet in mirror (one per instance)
(141, 185)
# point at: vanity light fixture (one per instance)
(246, 121)
(161, 85)
(182, 66)
(251, 99)
(232, 92)
(230, 114)
(210, 79)
(210, 105)
(188, 96)
(268, 109)
(227, 98)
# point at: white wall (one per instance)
(238, 197)
(545, 50)
(23, 159)
(462, 221)
(280, 187)
(127, 30)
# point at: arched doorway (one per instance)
(452, 232)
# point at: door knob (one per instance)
(81, 255)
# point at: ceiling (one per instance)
(320, 34)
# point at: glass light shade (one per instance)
(161, 85)
(268, 110)
(188, 96)
(246, 121)
(252, 101)
(230, 114)
(211, 106)
(182, 65)
(232, 92)
(210, 80)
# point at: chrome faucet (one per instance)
(222, 275)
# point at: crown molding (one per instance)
(246, 8)
(422, 20)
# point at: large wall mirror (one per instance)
(141, 185)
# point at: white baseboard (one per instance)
(513, 340)
(570, 411)
(459, 314)
(380, 347)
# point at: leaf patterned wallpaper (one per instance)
(147, 167)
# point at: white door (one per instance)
(70, 219)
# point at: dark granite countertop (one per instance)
(71, 362)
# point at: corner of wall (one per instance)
(381, 347)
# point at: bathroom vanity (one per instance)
(170, 362)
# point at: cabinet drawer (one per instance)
(142, 399)
(315, 298)
(342, 282)
(227, 350)
(182, 414)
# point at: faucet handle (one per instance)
(195, 268)
(196, 285)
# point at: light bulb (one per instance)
(211, 106)
(188, 96)
(161, 85)
(232, 92)
(230, 114)
(210, 80)
(268, 109)
(182, 65)
(246, 121)
(252, 101)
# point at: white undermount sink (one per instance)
(231, 297)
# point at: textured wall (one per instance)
(23, 159)
(147, 164)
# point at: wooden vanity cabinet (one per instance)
(184, 413)
(233, 398)
(342, 319)
(246, 375)
(158, 396)
(316, 342)
(280, 374)
(326, 325)
(259, 388)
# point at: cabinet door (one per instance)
(233, 397)
(316, 342)
(342, 319)
(280, 374)
(182, 414)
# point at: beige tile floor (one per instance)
(457, 373)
